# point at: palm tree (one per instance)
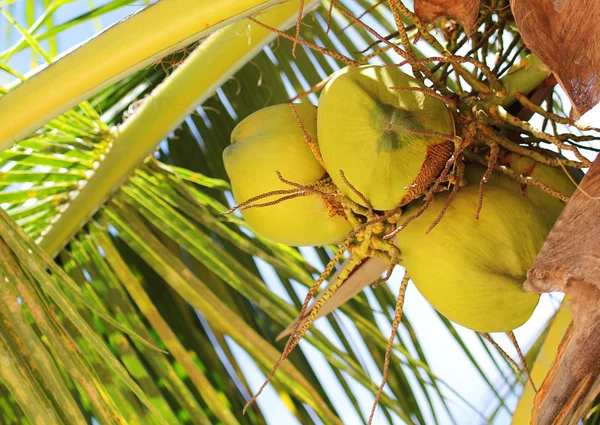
(127, 297)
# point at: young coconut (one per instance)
(382, 138)
(554, 178)
(271, 140)
(472, 271)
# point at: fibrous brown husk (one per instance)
(565, 35)
(569, 261)
(436, 157)
(464, 11)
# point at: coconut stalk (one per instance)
(112, 55)
(206, 69)
(523, 78)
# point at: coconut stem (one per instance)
(388, 349)
(302, 324)
(523, 78)
(494, 150)
(524, 100)
(312, 46)
(460, 168)
(504, 354)
(525, 369)
(358, 193)
(499, 113)
(295, 337)
(314, 147)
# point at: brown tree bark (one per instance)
(570, 262)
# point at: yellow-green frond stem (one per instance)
(112, 55)
(206, 69)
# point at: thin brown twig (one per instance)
(477, 85)
(502, 58)
(375, 53)
(494, 150)
(504, 354)
(533, 107)
(357, 192)
(312, 46)
(537, 156)
(314, 89)
(460, 171)
(524, 179)
(402, 32)
(580, 146)
(329, 18)
(494, 81)
(376, 42)
(275, 202)
(388, 349)
(308, 319)
(368, 10)
(510, 62)
(430, 194)
(298, 23)
(291, 342)
(484, 39)
(513, 338)
(388, 272)
(242, 205)
(427, 201)
(301, 186)
(314, 147)
(301, 190)
(396, 48)
(501, 114)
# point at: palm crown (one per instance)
(129, 297)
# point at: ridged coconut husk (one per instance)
(464, 11)
(435, 159)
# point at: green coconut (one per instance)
(270, 140)
(472, 271)
(367, 130)
(556, 178)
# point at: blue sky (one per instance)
(445, 356)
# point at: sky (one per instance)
(445, 356)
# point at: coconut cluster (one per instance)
(388, 136)
(270, 141)
(364, 127)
